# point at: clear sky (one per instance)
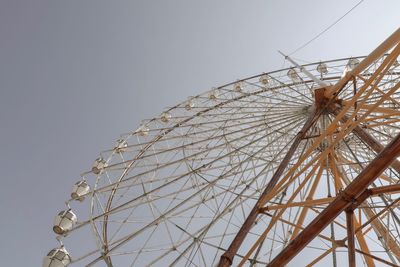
(76, 74)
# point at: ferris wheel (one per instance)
(293, 167)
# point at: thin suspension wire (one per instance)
(326, 29)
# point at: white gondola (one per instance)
(99, 165)
(64, 222)
(121, 145)
(165, 117)
(189, 105)
(264, 79)
(79, 190)
(293, 75)
(352, 63)
(238, 86)
(322, 68)
(143, 130)
(58, 257)
(213, 95)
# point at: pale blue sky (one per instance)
(76, 74)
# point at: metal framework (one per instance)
(327, 101)
(297, 165)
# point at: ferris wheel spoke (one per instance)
(171, 163)
(213, 122)
(286, 86)
(171, 129)
(270, 97)
(125, 239)
(221, 135)
(228, 224)
(239, 195)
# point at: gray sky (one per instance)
(76, 74)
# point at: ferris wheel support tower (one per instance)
(357, 191)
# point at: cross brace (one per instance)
(344, 200)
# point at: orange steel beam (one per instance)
(385, 189)
(323, 255)
(359, 235)
(307, 203)
(376, 258)
(381, 92)
(384, 110)
(390, 42)
(377, 215)
(227, 257)
(293, 224)
(343, 201)
(377, 225)
(384, 116)
(395, 188)
(353, 165)
(280, 213)
(350, 238)
(320, 201)
(377, 124)
(368, 139)
(363, 244)
(304, 211)
(390, 241)
(334, 169)
(273, 222)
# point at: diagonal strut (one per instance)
(227, 257)
(343, 201)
